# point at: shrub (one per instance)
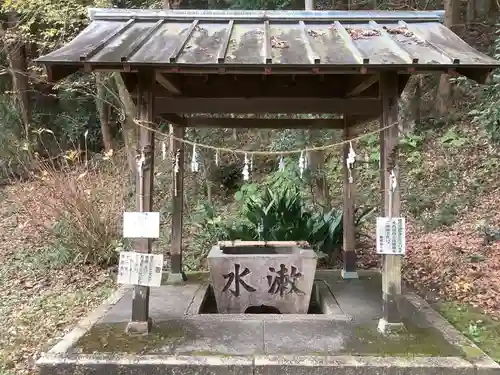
(275, 215)
(285, 216)
(487, 109)
(80, 211)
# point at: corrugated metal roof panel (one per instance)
(221, 38)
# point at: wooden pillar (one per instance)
(176, 274)
(141, 322)
(349, 230)
(391, 264)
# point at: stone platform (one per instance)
(338, 336)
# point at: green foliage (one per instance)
(275, 211)
(52, 23)
(275, 216)
(287, 139)
(48, 23)
(229, 177)
(411, 147)
(81, 213)
(12, 145)
(475, 324)
(445, 216)
(452, 138)
(489, 232)
(87, 242)
(74, 114)
(209, 229)
(487, 110)
(246, 192)
(261, 4)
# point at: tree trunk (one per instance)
(103, 110)
(18, 65)
(409, 105)
(470, 14)
(443, 99)
(208, 169)
(129, 128)
(320, 185)
(482, 9)
(317, 158)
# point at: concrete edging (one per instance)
(356, 365)
(88, 321)
(56, 364)
(107, 364)
(473, 353)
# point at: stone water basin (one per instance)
(246, 275)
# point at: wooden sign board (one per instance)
(391, 235)
(141, 224)
(140, 269)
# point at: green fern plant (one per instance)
(283, 215)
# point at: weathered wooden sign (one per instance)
(140, 268)
(391, 236)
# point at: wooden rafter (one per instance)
(167, 84)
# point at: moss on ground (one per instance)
(413, 341)
(112, 338)
(197, 277)
(480, 328)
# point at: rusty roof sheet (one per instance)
(255, 38)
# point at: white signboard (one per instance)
(140, 269)
(391, 236)
(141, 224)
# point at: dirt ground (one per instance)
(39, 302)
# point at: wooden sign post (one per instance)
(391, 263)
(140, 321)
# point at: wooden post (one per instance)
(391, 264)
(176, 274)
(141, 322)
(349, 230)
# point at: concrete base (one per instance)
(349, 275)
(386, 328)
(139, 328)
(175, 278)
(342, 342)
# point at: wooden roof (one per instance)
(258, 42)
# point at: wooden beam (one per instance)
(56, 73)
(141, 322)
(176, 274)
(174, 119)
(391, 264)
(167, 84)
(364, 85)
(271, 105)
(348, 220)
(260, 123)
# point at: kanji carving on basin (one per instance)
(277, 274)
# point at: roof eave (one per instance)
(222, 15)
(58, 70)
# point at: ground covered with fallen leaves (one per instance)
(39, 302)
(461, 263)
